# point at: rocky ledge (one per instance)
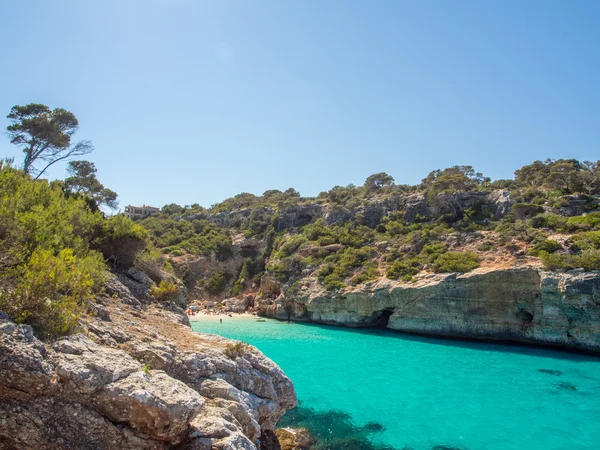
(524, 305)
(139, 378)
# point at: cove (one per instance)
(378, 389)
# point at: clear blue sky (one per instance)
(195, 101)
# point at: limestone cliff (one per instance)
(522, 305)
(137, 377)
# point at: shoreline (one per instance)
(201, 316)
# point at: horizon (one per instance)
(192, 102)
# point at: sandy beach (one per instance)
(201, 317)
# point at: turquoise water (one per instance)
(380, 389)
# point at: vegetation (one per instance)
(83, 181)
(216, 283)
(45, 136)
(355, 244)
(50, 259)
(456, 262)
(236, 350)
(54, 241)
(166, 291)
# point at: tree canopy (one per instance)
(45, 136)
(83, 180)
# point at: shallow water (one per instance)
(377, 389)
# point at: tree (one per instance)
(45, 136)
(83, 181)
(590, 176)
(379, 180)
(443, 186)
(563, 175)
(533, 174)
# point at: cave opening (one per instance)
(382, 320)
(525, 317)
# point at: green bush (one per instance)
(48, 272)
(403, 269)
(333, 285)
(588, 222)
(588, 260)
(51, 292)
(546, 246)
(166, 291)
(290, 246)
(152, 263)
(236, 350)
(367, 274)
(216, 283)
(121, 240)
(553, 221)
(456, 262)
(587, 241)
(526, 210)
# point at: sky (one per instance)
(194, 101)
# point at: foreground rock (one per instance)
(137, 378)
(523, 305)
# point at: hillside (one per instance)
(456, 220)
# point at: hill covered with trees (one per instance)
(455, 220)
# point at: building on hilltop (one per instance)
(140, 211)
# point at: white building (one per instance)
(140, 211)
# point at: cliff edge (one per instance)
(526, 305)
(136, 377)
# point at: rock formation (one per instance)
(522, 304)
(136, 377)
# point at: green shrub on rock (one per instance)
(121, 240)
(400, 268)
(590, 221)
(50, 292)
(166, 291)
(546, 246)
(587, 260)
(456, 262)
(216, 283)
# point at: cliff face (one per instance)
(138, 377)
(523, 305)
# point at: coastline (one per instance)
(202, 317)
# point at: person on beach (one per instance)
(220, 320)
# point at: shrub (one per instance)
(166, 291)
(553, 221)
(547, 246)
(588, 222)
(51, 292)
(402, 269)
(456, 262)
(333, 284)
(367, 274)
(291, 246)
(588, 260)
(216, 283)
(526, 210)
(587, 241)
(152, 263)
(121, 239)
(236, 350)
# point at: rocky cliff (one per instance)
(522, 304)
(136, 377)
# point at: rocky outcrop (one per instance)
(137, 378)
(522, 304)
(413, 205)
